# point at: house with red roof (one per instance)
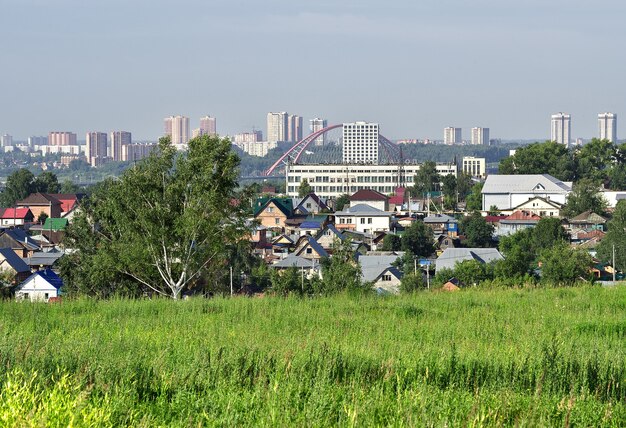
(41, 203)
(10, 217)
(517, 221)
(370, 197)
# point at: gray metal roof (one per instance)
(525, 183)
(294, 261)
(374, 266)
(440, 218)
(363, 209)
(48, 258)
(452, 256)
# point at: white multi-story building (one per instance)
(294, 128)
(474, 166)
(561, 128)
(360, 143)
(96, 148)
(277, 126)
(331, 181)
(452, 135)
(256, 148)
(177, 128)
(119, 139)
(66, 150)
(248, 137)
(607, 127)
(480, 136)
(315, 125)
(6, 140)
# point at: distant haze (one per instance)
(413, 66)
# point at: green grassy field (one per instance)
(546, 357)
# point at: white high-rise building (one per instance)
(452, 135)
(118, 140)
(318, 124)
(294, 128)
(561, 128)
(607, 126)
(360, 143)
(37, 141)
(277, 126)
(96, 150)
(6, 140)
(480, 136)
(177, 127)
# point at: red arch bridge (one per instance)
(388, 151)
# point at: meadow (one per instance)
(527, 357)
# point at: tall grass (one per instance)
(499, 357)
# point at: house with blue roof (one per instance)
(41, 286)
(13, 265)
(309, 248)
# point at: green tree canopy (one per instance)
(474, 201)
(615, 238)
(418, 240)
(304, 189)
(426, 180)
(165, 224)
(564, 265)
(541, 158)
(478, 233)
(342, 201)
(585, 196)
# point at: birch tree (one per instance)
(168, 221)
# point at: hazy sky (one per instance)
(414, 66)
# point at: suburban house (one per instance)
(44, 259)
(309, 248)
(311, 204)
(273, 212)
(363, 218)
(587, 221)
(370, 197)
(41, 203)
(69, 203)
(396, 202)
(19, 241)
(442, 224)
(452, 256)
(313, 224)
(509, 191)
(54, 229)
(43, 285)
(378, 269)
(16, 216)
(13, 266)
(309, 266)
(539, 206)
(517, 221)
(327, 237)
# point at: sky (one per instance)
(413, 66)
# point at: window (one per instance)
(276, 220)
(308, 205)
(46, 296)
(386, 277)
(270, 209)
(369, 220)
(309, 251)
(363, 221)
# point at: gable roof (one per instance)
(15, 213)
(373, 266)
(321, 204)
(330, 227)
(440, 218)
(13, 260)
(39, 199)
(368, 195)
(588, 217)
(521, 216)
(311, 242)
(44, 258)
(524, 183)
(363, 209)
(22, 238)
(294, 261)
(68, 200)
(55, 224)
(550, 202)
(285, 205)
(50, 277)
(452, 256)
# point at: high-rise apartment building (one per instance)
(294, 128)
(56, 138)
(6, 140)
(137, 151)
(360, 142)
(177, 128)
(452, 135)
(248, 137)
(277, 126)
(480, 136)
(119, 139)
(208, 126)
(318, 124)
(37, 141)
(607, 126)
(96, 150)
(561, 128)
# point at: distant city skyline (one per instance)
(411, 91)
